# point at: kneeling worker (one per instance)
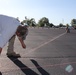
(9, 28)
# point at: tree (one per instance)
(51, 24)
(61, 25)
(27, 21)
(43, 21)
(32, 22)
(73, 23)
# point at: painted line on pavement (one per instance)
(31, 50)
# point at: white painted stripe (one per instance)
(31, 50)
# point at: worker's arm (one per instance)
(22, 42)
(0, 50)
(21, 34)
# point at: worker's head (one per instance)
(22, 32)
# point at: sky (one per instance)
(57, 11)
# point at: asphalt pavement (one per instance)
(49, 52)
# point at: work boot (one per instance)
(14, 55)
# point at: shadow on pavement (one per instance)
(26, 69)
(23, 67)
(0, 73)
(40, 69)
